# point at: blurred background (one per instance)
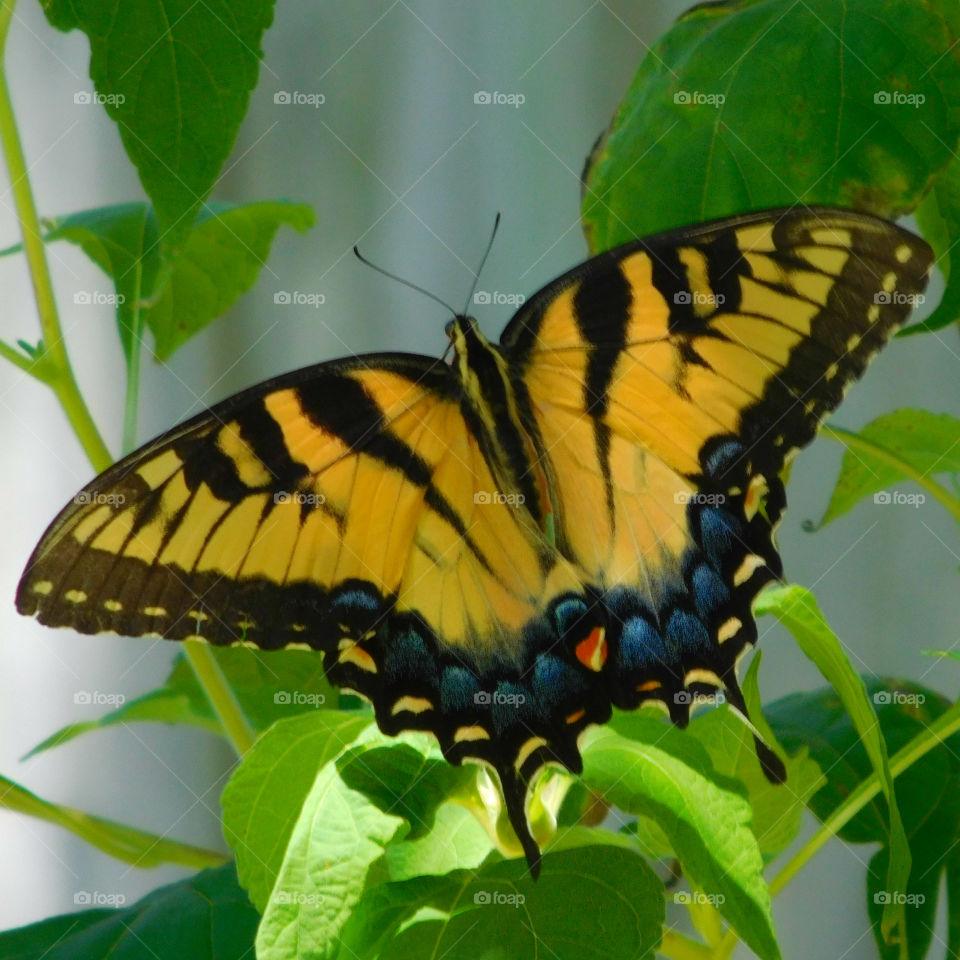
(400, 160)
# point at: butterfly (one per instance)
(502, 548)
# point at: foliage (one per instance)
(349, 844)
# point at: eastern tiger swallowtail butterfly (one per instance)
(500, 549)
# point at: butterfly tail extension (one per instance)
(515, 789)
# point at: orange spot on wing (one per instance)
(592, 652)
(576, 715)
(649, 685)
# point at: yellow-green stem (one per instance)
(678, 947)
(943, 727)
(59, 374)
(62, 380)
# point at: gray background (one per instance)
(400, 160)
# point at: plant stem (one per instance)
(220, 693)
(132, 397)
(943, 727)
(61, 377)
(59, 374)
(856, 442)
(678, 947)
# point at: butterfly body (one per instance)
(503, 549)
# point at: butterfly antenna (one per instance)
(486, 253)
(406, 283)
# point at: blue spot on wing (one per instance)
(688, 634)
(642, 645)
(710, 593)
(556, 683)
(407, 658)
(722, 458)
(458, 688)
(720, 534)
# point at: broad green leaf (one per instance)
(929, 790)
(205, 917)
(405, 781)
(457, 840)
(777, 808)
(265, 795)
(767, 103)
(142, 849)
(123, 241)
(665, 775)
(897, 448)
(797, 609)
(338, 836)
(938, 217)
(176, 78)
(220, 260)
(590, 903)
(270, 685)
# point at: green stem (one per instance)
(18, 359)
(60, 374)
(221, 695)
(943, 727)
(61, 380)
(678, 947)
(856, 442)
(132, 398)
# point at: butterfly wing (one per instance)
(666, 383)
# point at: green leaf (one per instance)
(665, 775)
(144, 850)
(220, 260)
(797, 609)
(905, 445)
(590, 903)
(123, 241)
(405, 781)
(176, 78)
(938, 217)
(265, 795)
(270, 685)
(338, 836)
(799, 119)
(777, 808)
(929, 790)
(205, 917)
